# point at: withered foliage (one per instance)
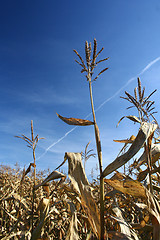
(70, 210)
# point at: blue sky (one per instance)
(39, 76)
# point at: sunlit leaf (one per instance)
(75, 121)
(145, 131)
(72, 233)
(80, 183)
(44, 209)
(52, 176)
(130, 140)
(130, 187)
(132, 118)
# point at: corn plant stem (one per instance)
(150, 169)
(33, 191)
(148, 156)
(34, 158)
(99, 151)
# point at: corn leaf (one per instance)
(80, 182)
(52, 176)
(132, 118)
(145, 131)
(44, 209)
(72, 233)
(129, 187)
(75, 121)
(126, 228)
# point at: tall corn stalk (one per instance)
(89, 67)
(32, 143)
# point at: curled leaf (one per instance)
(145, 131)
(75, 121)
(132, 118)
(80, 183)
(52, 176)
(130, 140)
(27, 171)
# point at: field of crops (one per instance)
(66, 209)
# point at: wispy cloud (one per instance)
(48, 96)
(149, 65)
(42, 95)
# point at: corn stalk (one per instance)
(88, 67)
(99, 151)
(31, 143)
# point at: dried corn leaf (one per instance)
(44, 209)
(80, 182)
(52, 176)
(142, 175)
(19, 233)
(15, 219)
(130, 187)
(156, 188)
(130, 140)
(126, 229)
(117, 236)
(72, 233)
(155, 153)
(132, 118)
(27, 171)
(75, 121)
(145, 131)
(153, 207)
(118, 176)
(20, 199)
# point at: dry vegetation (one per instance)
(54, 205)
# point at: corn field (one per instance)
(42, 205)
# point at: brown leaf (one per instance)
(117, 236)
(75, 121)
(125, 227)
(155, 153)
(27, 171)
(145, 131)
(80, 182)
(44, 209)
(130, 140)
(72, 233)
(129, 187)
(52, 176)
(132, 118)
(118, 176)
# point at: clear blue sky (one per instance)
(39, 77)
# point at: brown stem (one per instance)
(148, 157)
(34, 158)
(99, 151)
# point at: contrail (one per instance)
(129, 81)
(53, 144)
(149, 65)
